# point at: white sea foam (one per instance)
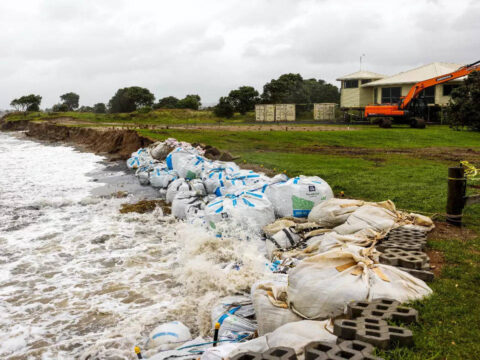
(79, 279)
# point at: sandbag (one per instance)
(139, 158)
(160, 150)
(319, 287)
(379, 217)
(248, 209)
(143, 175)
(271, 309)
(333, 212)
(219, 352)
(184, 185)
(297, 196)
(235, 314)
(294, 335)
(187, 163)
(187, 202)
(168, 336)
(162, 177)
(282, 240)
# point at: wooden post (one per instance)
(457, 184)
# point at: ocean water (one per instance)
(79, 280)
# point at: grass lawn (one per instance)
(449, 327)
(407, 166)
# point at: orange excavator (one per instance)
(412, 108)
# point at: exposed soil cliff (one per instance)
(117, 144)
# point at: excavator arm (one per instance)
(420, 86)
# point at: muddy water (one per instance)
(80, 280)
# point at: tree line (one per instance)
(287, 89)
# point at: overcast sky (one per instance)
(178, 47)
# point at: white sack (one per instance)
(187, 163)
(219, 352)
(250, 210)
(160, 150)
(271, 309)
(379, 217)
(333, 212)
(322, 285)
(184, 185)
(143, 175)
(297, 196)
(139, 158)
(169, 336)
(162, 177)
(235, 315)
(187, 202)
(294, 335)
(282, 240)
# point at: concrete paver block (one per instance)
(280, 353)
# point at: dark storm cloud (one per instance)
(209, 47)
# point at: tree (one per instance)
(244, 99)
(169, 102)
(464, 106)
(99, 108)
(60, 108)
(224, 108)
(288, 88)
(320, 92)
(84, 108)
(129, 99)
(190, 102)
(27, 103)
(71, 100)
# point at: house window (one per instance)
(447, 89)
(375, 96)
(366, 81)
(391, 95)
(428, 95)
(350, 84)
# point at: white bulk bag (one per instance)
(248, 209)
(379, 217)
(139, 158)
(235, 315)
(168, 336)
(143, 175)
(295, 335)
(271, 309)
(187, 202)
(184, 185)
(160, 150)
(319, 287)
(162, 177)
(282, 240)
(333, 212)
(187, 163)
(297, 196)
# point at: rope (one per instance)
(471, 171)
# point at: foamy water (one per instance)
(80, 280)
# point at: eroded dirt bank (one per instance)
(116, 144)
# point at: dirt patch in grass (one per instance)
(432, 153)
(437, 260)
(279, 127)
(145, 206)
(445, 231)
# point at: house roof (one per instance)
(362, 74)
(415, 75)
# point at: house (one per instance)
(363, 87)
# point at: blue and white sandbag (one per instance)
(187, 202)
(187, 163)
(184, 185)
(161, 177)
(143, 174)
(249, 209)
(168, 336)
(297, 196)
(139, 158)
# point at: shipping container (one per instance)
(280, 114)
(290, 112)
(269, 112)
(324, 111)
(260, 112)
